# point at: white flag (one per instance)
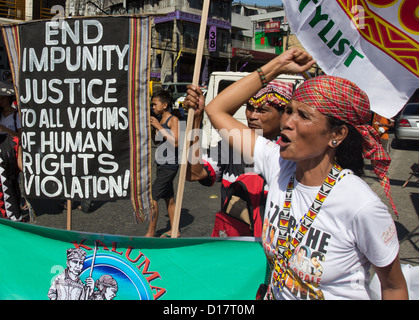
(373, 43)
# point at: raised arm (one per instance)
(195, 99)
(221, 110)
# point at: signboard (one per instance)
(253, 54)
(274, 26)
(212, 39)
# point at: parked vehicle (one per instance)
(176, 89)
(407, 123)
(220, 80)
(178, 105)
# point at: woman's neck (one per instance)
(313, 172)
(165, 115)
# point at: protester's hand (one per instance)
(155, 123)
(195, 100)
(90, 283)
(294, 60)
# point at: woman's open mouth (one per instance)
(284, 141)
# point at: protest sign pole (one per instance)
(69, 214)
(189, 122)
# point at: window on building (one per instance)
(219, 8)
(222, 40)
(250, 12)
(275, 41)
(165, 32)
(196, 4)
(133, 7)
(190, 35)
(116, 9)
(51, 3)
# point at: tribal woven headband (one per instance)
(277, 93)
(345, 101)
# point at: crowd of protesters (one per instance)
(310, 157)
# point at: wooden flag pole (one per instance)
(69, 214)
(189, 122)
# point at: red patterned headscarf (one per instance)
(343, 100)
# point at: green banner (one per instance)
(39, 263)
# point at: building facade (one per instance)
(175, 35)
(257, 35)
(239, 37)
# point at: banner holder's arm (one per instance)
(189, 122)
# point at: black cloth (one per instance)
(10, 196)
(163, 184)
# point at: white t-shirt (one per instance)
(352, 230)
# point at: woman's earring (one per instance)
(334, 143)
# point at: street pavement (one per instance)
(406, 199)
(200, 204)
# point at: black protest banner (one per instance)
(73, 103)
(83, 95)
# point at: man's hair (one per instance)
(164, 97)
(349, 152)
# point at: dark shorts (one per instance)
(163, 185)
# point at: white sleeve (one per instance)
(376, 233)
(266, 157)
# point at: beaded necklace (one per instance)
(288, 241)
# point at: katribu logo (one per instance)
(101, 272)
